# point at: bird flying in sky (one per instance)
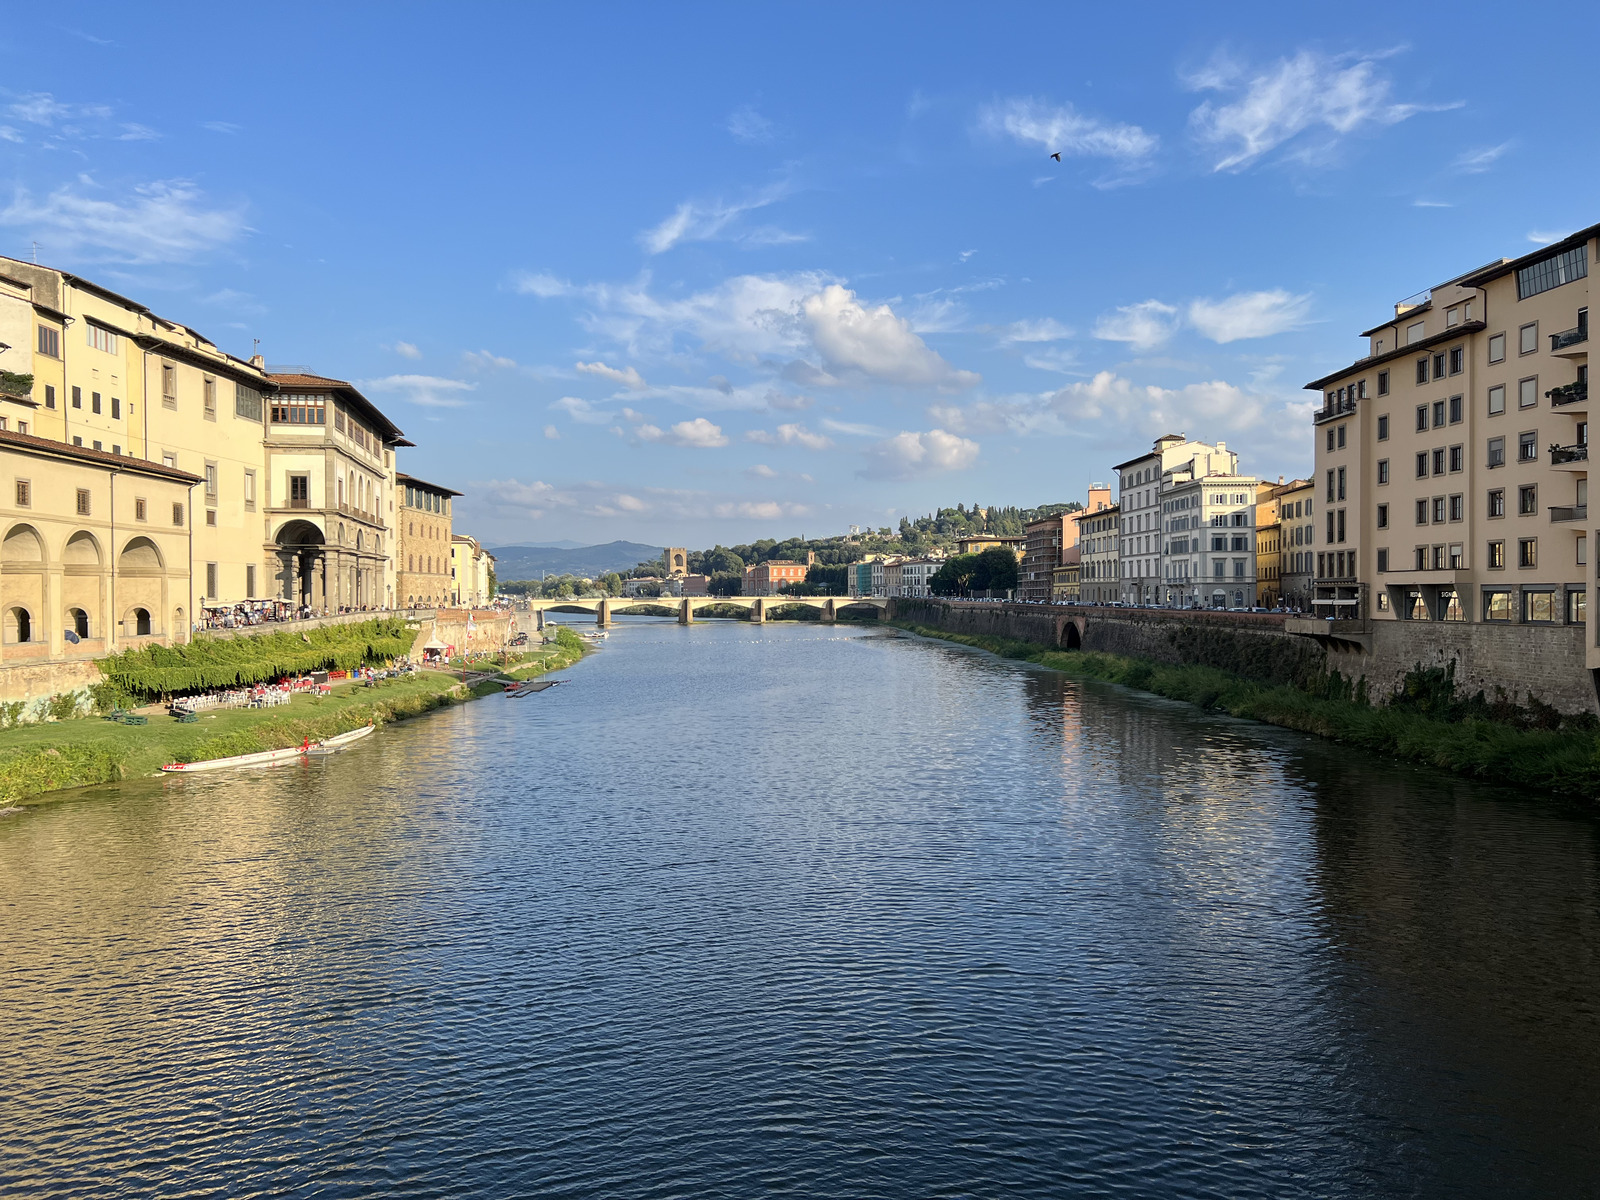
(1056, 156)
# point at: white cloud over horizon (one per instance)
(909, 454)
(427, 391)
(168, 221)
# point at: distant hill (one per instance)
(562, 545)
(526, 562)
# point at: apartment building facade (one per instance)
(764, 579)
(422, 537)
(1046, 538)
(470, 569)
(1452, 460)
(1291, 504)
(1209, 540)
(1139, 482)
(1100, 556)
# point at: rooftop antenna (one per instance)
(257, 346)
(36, 254)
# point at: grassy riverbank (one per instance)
(1562, 761)
(36, 760)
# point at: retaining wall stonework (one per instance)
(1546, 661)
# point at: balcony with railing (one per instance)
(1569, 393)
(1566, 456)
(1332, 409)
(1574, 340)
(1569, 512)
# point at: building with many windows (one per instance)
(1139, 481)
(1100, 556)
(422, 537)
(765, 578)
(1289, 507)
(471, 570)
(1209, 558)
(1452, 458)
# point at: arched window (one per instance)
(141, 622)
(411, 562)
(80, 621)
(19, 625)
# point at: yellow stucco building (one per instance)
(423, 536)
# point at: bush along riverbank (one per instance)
(1426, 722)
(36, 760)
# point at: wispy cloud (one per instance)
(427, 391)
(628, 377)
(705, 220)
(1046, 329)
(407, 350)
(1331, 96)
(749, 126)
(552, 433)
(1477, 161)
(1543, 237)
(535, 283)
(582, 411)
(163, 222)
(1143, 326)
(537, 499)
(485, 360)
(221, 127)
(1431, 204)
(1061, 128)
(1249, 315)
(699, 434)
(789, 435)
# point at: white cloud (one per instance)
(853, 428)
(699, 433)
(907, 455)
(480, 360)
(535, 283)
(1431, 204)
(581, 411)
(1143, 326)
(874, 341)
(789, 435)
(761, 471)
(161, 222)
(132, 131)
(1543, 237)
(407, 350)
(1062, 128)
(40, 108)
(628, 377)
(1477, 161)
(749, 126)
(511, 497)
(10, 133)
(221, 126)
(1249, 315)
(551, 432)
(1062, 362)
(429, 391)
(1334, 95)
(1046, 329)
(701, 221)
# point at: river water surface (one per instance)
(810, 911)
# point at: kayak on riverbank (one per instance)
(267, 758)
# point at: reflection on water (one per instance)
(805, 910)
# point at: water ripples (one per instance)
(802, 911)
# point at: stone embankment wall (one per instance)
(492, 629)
(1546, 661)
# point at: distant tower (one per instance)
(677, 560)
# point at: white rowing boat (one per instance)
(267, 758)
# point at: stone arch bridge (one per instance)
(687, 606)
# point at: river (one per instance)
(803, 910)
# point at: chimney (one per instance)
(1280, 480)
(258, 361)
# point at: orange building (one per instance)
(764, 579)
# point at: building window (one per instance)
(246, 402)
(1383, 561)
(1497, 555)
(102, 339)
(94, 402)
(1528, 552)
(1422, 558)
(250, 491)
(1383, 429)
(1528, 392)
(1330, 490)
(1455, 410)
(1383, 516)
(1422, 417)
(1497, 400)
(1383, 470)
(1341, 437)
(1422, 512)
(49, 342)
(1422, 466)
(1438, 365)
(211, 481)
(1577, 605)
(1341, 528)
(208, 397)
(1458, 357)
(1497, 502)
(1497, 606)
(1422, 371)
(177, 514)
(83, 502)
(211, 580)
(1497, 348)
(1438, 558)
(1528, 500)
(49, 395)
(211, 516)
(24, 493)
(1457, 456)
(1457, 557)
(1383, 383)
(1438, 413)
(1438, 461)
(1552, 272)
(249, 581)
(77, 441)
(1438, 510)
(1539, 607)
(300, 410)
(139, 510)
(1497, 452)
(1457, 507)
(299, 491)
(169, 385)
(22, 427)
(1341, 488)
(1528, 447)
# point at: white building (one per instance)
(1209, 540)
(909, 577)
(1139, 483)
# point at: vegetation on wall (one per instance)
(13, 383)
(154, 671)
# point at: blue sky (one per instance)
(694, 274)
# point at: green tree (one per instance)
(611, 582)
(726, 583)
(996, 571)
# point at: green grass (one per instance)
(38, 759)
(1565, 763)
